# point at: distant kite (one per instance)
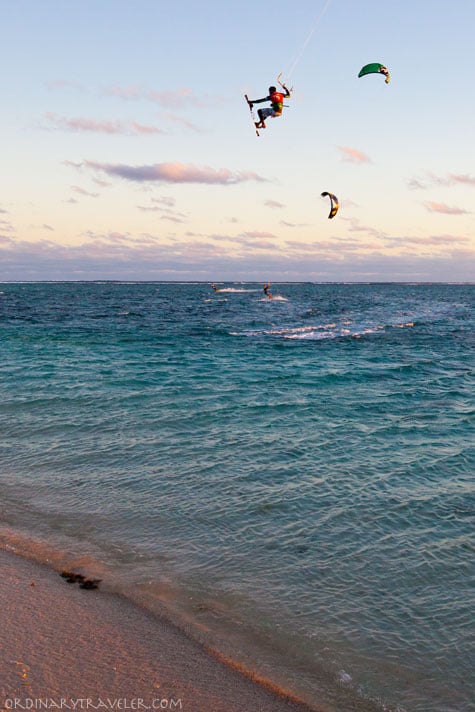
(334, 204)
(374, 68)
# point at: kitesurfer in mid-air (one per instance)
(276, 99)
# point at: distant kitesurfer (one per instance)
(277, 104)
(266, 290)
(213, 286)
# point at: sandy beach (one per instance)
(65, 647)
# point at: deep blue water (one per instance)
(295, 475)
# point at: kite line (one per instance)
(309, 37)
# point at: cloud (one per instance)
(443, 208)
(260, 235)
(355, 226)
(117, 255)
(339, 249)
(352, 155)
(439, 180)
(431, 240)
(73, 164)
(453, 179)
(166, 213)
(79, 124)
(465, 179)
(165, 200)
(81, 191)
(182, 98)
(172, 218)
(183, 122)
(174, 173)
(7, 242)
(170, 99)
(64, 84)
(274, 204)
(101, 183)
(141, 129)
(6, 226)
(416, 184)
(450, 180)
(285, 223)
(130, 92)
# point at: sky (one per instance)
(129, 153)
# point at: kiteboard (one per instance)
(253, 117)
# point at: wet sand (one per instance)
(65, 647)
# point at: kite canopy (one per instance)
(374, 68)
(334, 204)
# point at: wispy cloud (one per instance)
(285, 223)
(274, 204)
(56, 84)
(443, 208)
(172, 218)
(416, 184)
(80, 191)
(453, 179)
(439, 180)
(45, 226)
(339, 249)
(128, 92)
(73, 164)
(183, 98)
(174, 173)
(181, 121)
(169, 99)
(449, 180)
(352, 155)
(81, 124)
(6, 226)
(355, 226)
(7, 244)
(142, 129)
(101, 183)
(431, 240)
(162, 206)
(464, 179)
(259, 235)
(165, 200)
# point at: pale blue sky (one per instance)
(129, 153)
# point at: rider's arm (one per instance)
(259, 101)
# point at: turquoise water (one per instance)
(294, 475)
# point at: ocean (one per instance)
(291, 477)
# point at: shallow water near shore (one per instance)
(294, 476)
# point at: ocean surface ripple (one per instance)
(296, 474)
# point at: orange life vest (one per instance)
(277, 99)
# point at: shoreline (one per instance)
(93, 649)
